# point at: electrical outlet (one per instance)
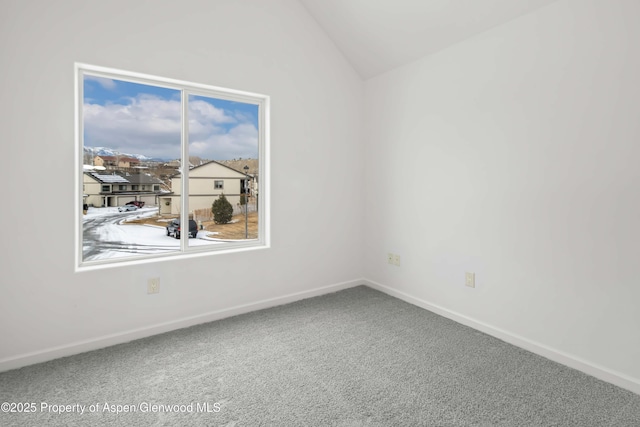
(153, 285)
(396, 260)
(390, 258)
(470, 280)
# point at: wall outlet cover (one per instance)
(470, 280)
(153, 285)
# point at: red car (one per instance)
(136, 203)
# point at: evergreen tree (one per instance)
(222, 210)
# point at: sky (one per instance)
(142, 119)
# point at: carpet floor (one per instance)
(357, 357)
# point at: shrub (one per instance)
(222, 210)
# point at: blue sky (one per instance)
(135, 118)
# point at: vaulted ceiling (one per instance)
(378, 35)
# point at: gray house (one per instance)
(118, 188)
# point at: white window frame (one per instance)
(215, 184)
(186, 88)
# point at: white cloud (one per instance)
(108, 84)
(202, 111)
(147, 125)
(240, 141)
(151, 126)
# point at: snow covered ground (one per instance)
(105, 235)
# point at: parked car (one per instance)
(173, 228)
(136, 203)
(127, 208)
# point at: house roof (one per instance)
(108, 179)
(142, 178)
(116, 178)
(210, 162)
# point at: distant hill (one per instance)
(239, 164)
(104, 151)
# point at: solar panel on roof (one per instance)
(110, 178)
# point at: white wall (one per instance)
(271, 47)
(514, 155)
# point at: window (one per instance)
(170, 141)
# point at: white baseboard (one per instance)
(134, 334)
(605, 374)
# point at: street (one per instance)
(105, 236)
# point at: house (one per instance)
(118, 188)
(206, 183)
(496, 137)
(116, 162)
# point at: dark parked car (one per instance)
(173, 228)
(126, 208)
(136, 203)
